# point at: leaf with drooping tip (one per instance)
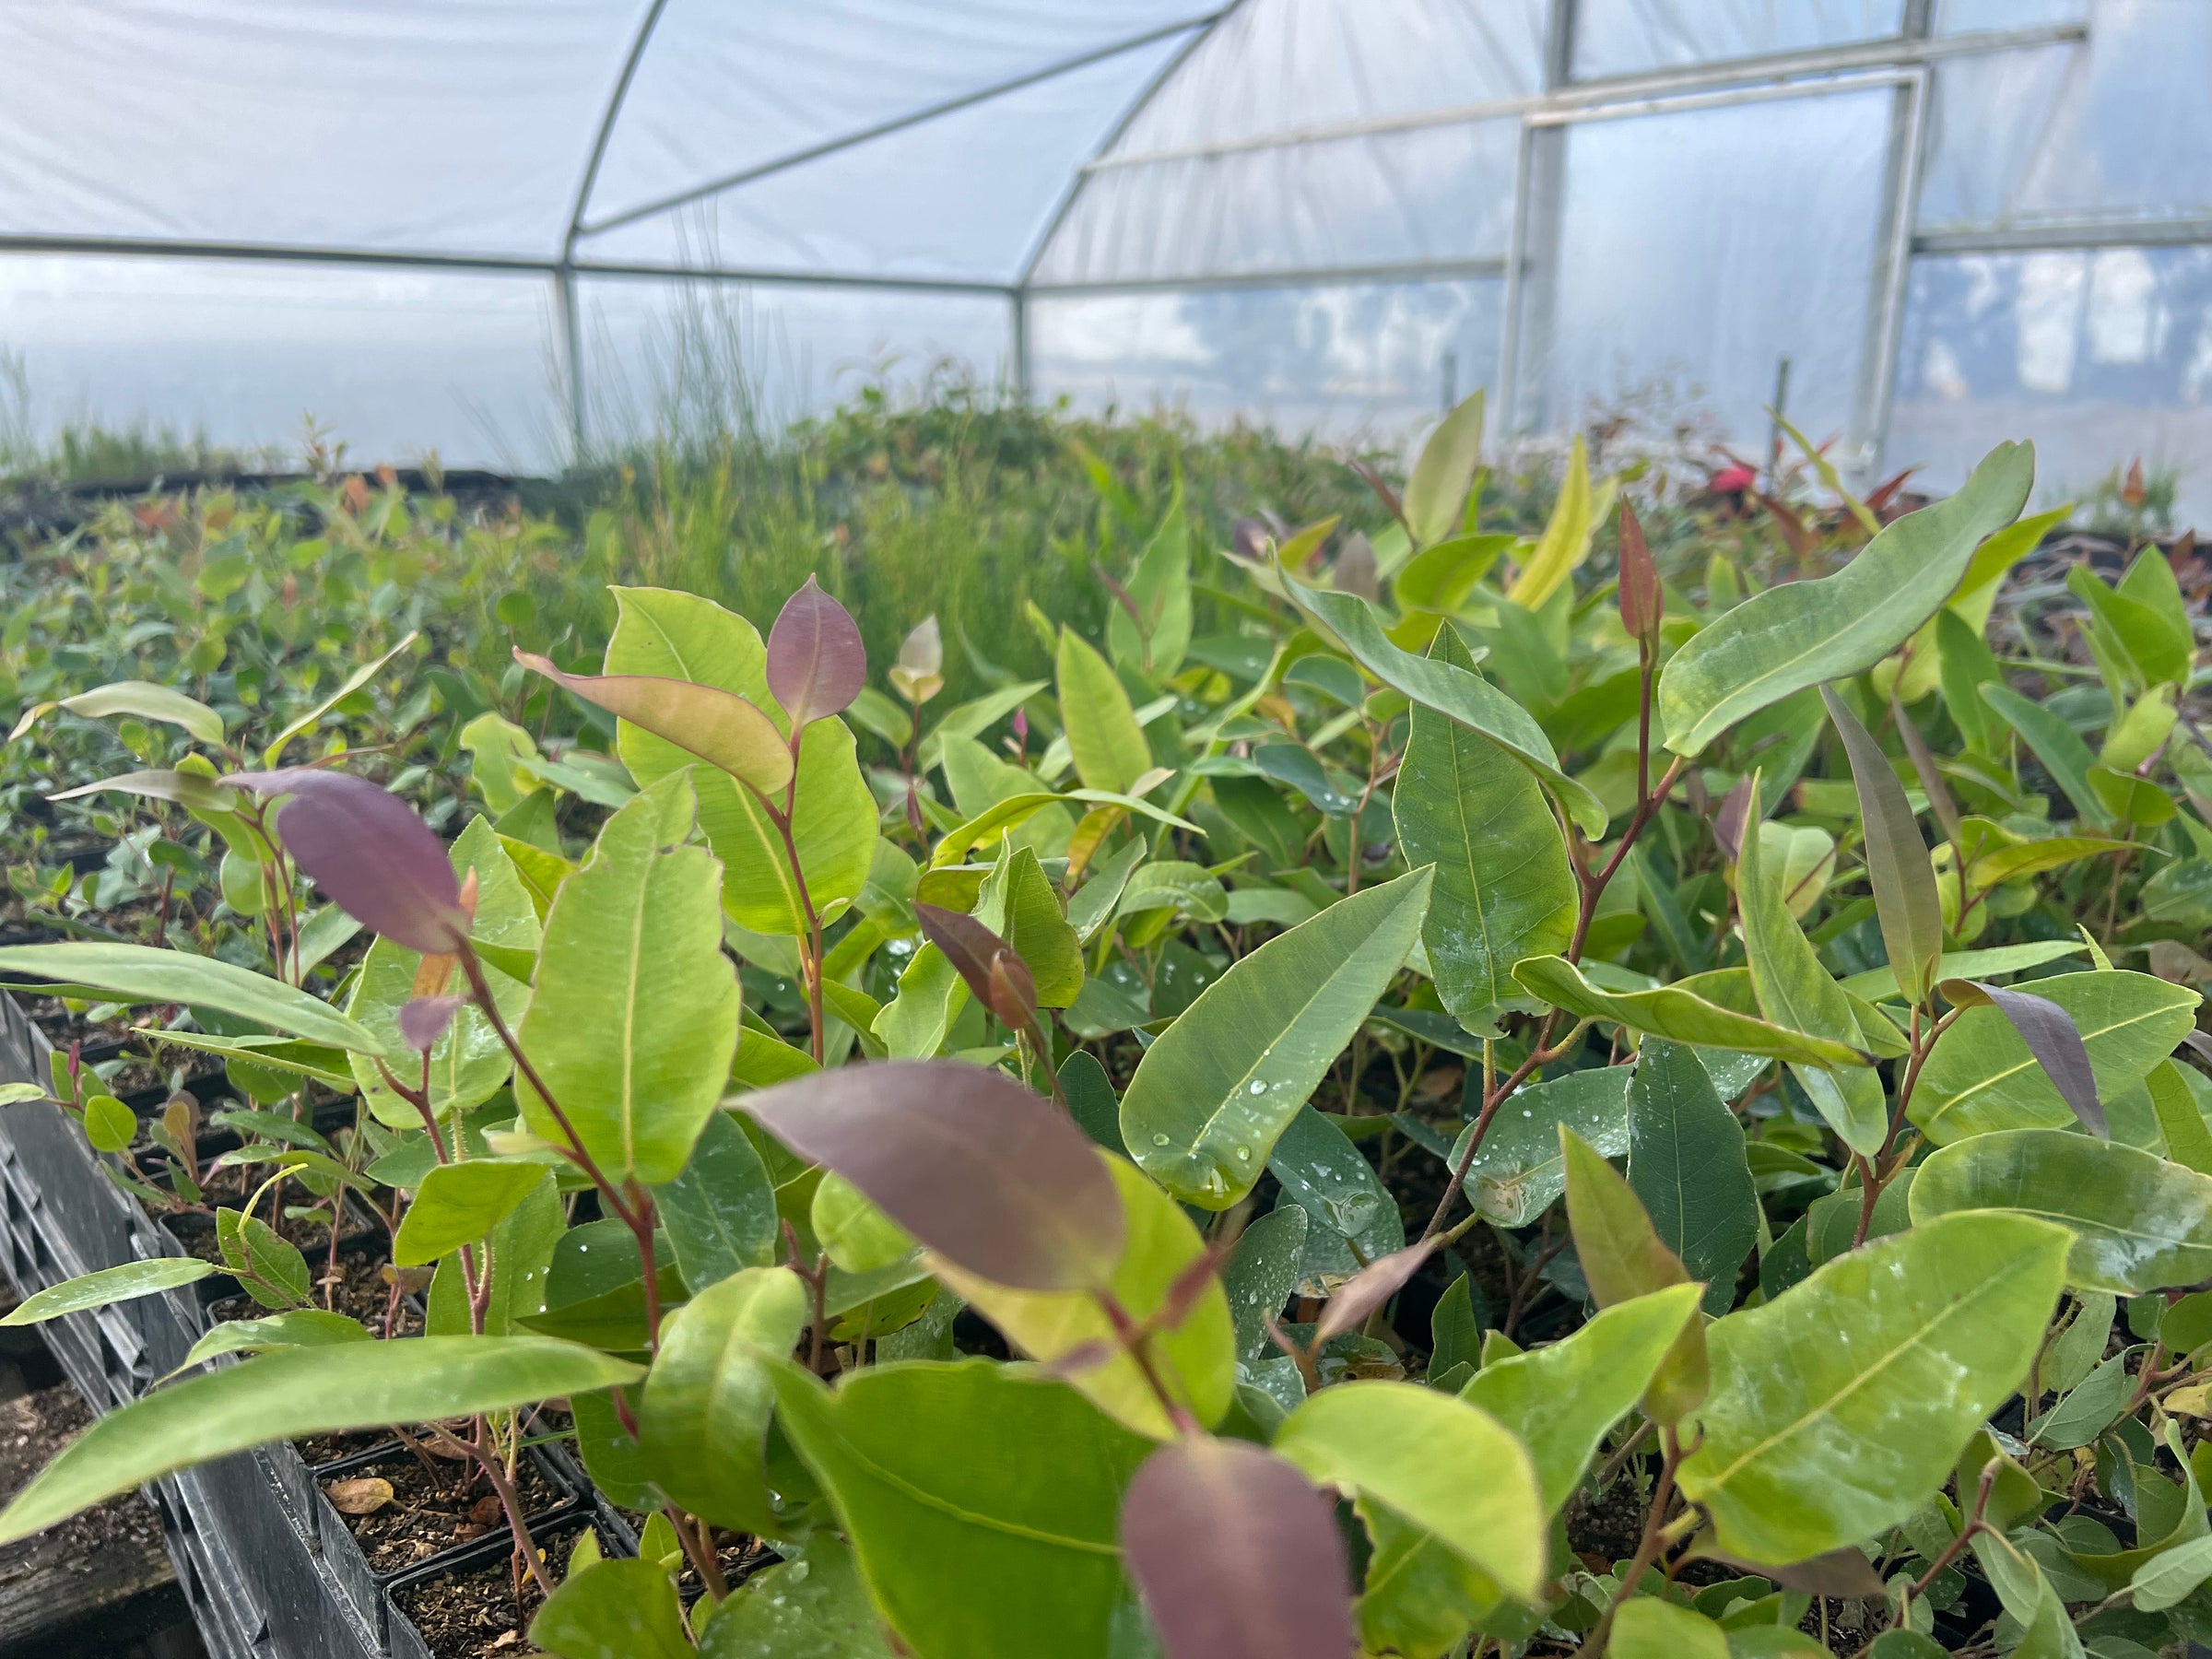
(186, 789)
(1622, 1259)
(147, 700)
(992, 969)
(1444, 473)
(2051, 1036)
(816, 665)
(1897, 859)
(1236, 1555)
(140, 973)
(1369, 1288)
(719, 726)
(108, 1285)
(968, 1160)
(367, 848)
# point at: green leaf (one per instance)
(521, 1247)
(1109, 747)
(1897, 859)
(108, 1285)
(1686, 1163)
(1038, 929)
(1354, 1219)
(1967, 666)
(810, 1605)
(1623, 1258)
(1879, 984)
(1504, 888)
(110, 1126)
(703, 1419)
(1454, 1332)
(303, 1328)
(468, 1062)
(1795, 990)
(1444, 473)
(188, 789)
(1004, 1557)
(1566, 539)
(613, 1610)
(1214, 1092)
(1679, 1014)
(296, 1392)
(1647, 1628)
(1981, 1075)
(134, 696)
(1456, 692)
(2188, 1140)
(2139, 1223)
(1561, 1400)
(1797, 635)
(459, 1203)
(721, 1212)
(2161, 639)
(634, 1019)
(1160, 588)
(1196, 1357)
(859, 1237)
(1441, 1462)
(1839, 1406)
(2064, 756)
(1519, 1171)
(1261, 1275)
(138, 973)
(268, 1265)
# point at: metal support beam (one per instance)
(2050, 238)
(897, 124)
(1345, 275)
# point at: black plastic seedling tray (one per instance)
(266, 1565)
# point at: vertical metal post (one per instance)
(572, 359)
(1019, 307)
(1538, 177)
(1893, 268)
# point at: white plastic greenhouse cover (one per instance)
(496, 228)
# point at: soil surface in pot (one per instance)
(427, 1509)
(476, 1613)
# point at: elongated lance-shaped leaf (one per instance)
(1643, 605)
(1623, 1258)
(1686, 1162)
(108, 1285)
(2064, 756)
(719, 726)
(353, 682)
(703, 1421)
(299, 1391)
(1219, 1086)
(1370, 1288)
(816, 665)
(1931, 783)
(634, 1019)
(1678, 1013)
(186, 789)
(1236, 1555)
(141, 697)
(139, 973)
(994, 970)
(1444, 473)
(2051, 1036)
(367, 848)
(1458, 692)
(1897, 859)
(1800, 633)
(968, 1160)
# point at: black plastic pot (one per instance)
(266, 1565)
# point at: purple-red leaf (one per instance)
(423, 1019)
(366, 848)
(1728, 823)
(1369, 1288)
(816, 665)
(1641, 604)
(1237, 1554)
(993, 969)
(718, 726)
(2051, 1036)
(968, 1160)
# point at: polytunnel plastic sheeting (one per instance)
(1623, 37)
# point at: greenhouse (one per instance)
(1105, 829)
(463, 227)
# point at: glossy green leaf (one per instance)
(1261, 1275)
(1196, 1355)
(703, 1417)
(1795, 990)
(1566, 539)
(811, 1605)
(2139, 1223)
(296, 1392)
(1037, 927)
(1647, 1628)
(1441, 1462)
(187, 789)
(459, 1203)
(1519, 1171)
(1686, 1163)
(1980, 1077)
(613, 1610)
(1679, 1014)
(2188, 1138)
(1109, 747)
(1562, 1399)
(521, 1247)
(1160, 587)
(1839, 1406)
(2064, 756)
(1897, 859)
(1442, 473)
(721, 1212)
(140, 697)
(270, 1265)
(1798, 634)
(301, 1327)
(634, 1019)
(1623, 1258)
(859, 1237)
(108, 1285)
(1004, 1557)
(1504, 888)
(2163, 640)
(1214, 1092)
(1879, 984)
(1453, 691)
(138, 973)
(1967, 666)
(1353, 1217)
